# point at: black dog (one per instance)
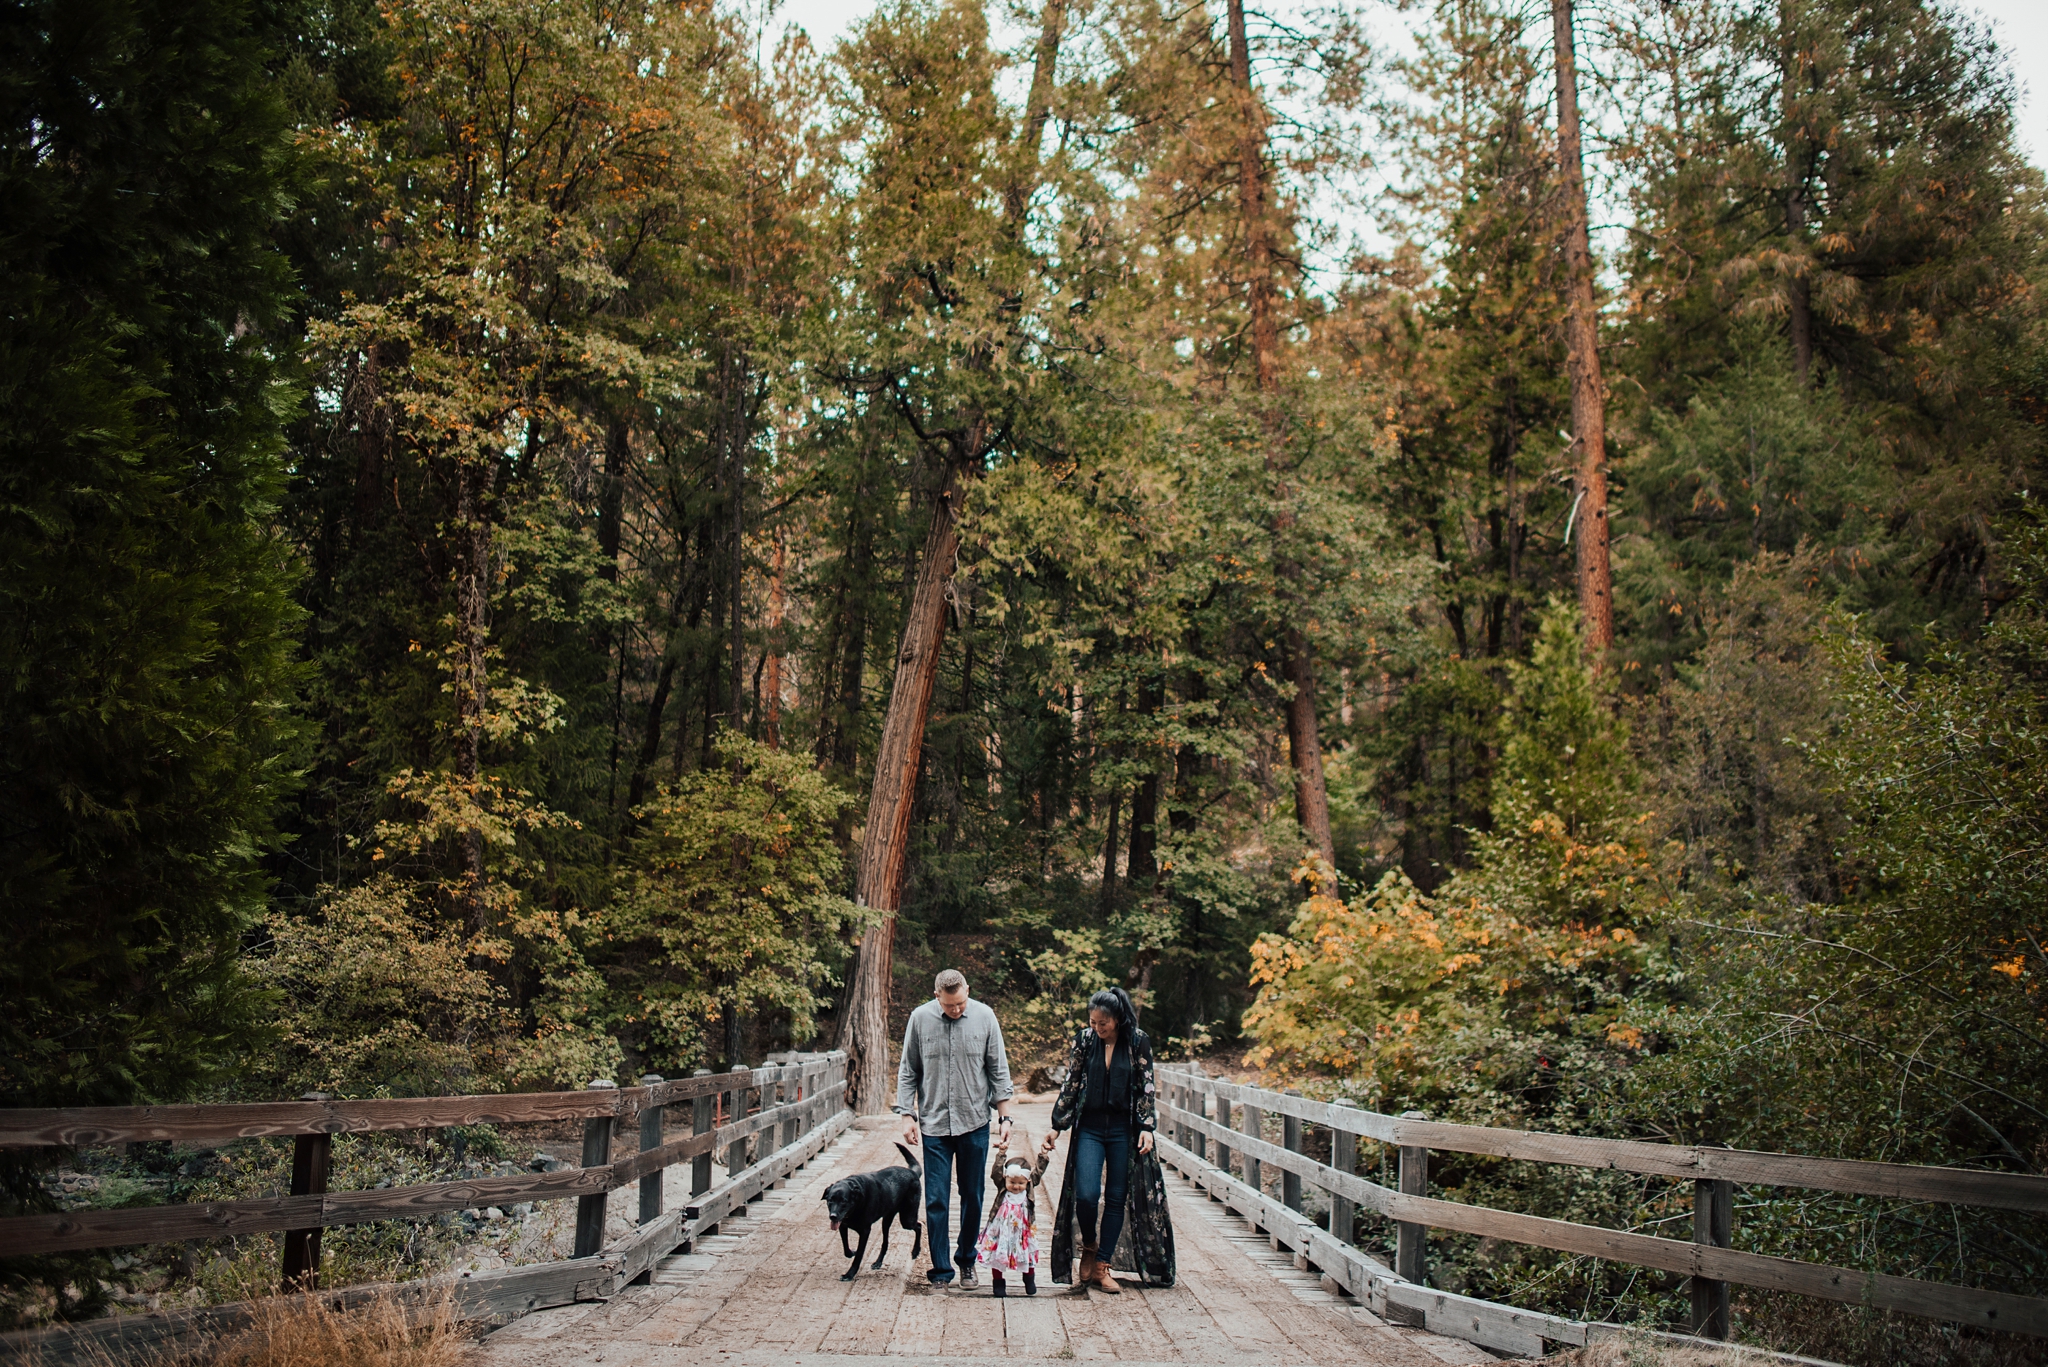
(857, 1202)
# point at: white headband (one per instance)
(1017, 1168)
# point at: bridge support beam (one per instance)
(1344, 1158)
(703, 1115)
(597, 1153)
(736, 1152)
(1713, 1225)
(1410, 1262)
(310, 1156)
(1290, 1140)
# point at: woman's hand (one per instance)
(1052, 1139)
(1144, 1141)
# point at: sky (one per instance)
(2021, 27)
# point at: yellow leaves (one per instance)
(2011, 968)
(1624, 1036)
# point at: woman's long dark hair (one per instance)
(1116, 1003)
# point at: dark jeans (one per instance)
(1097, 1148)
(941, 1153)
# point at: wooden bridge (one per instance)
(677, 1263)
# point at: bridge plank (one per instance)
(1031, 1327)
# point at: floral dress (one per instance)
(1008, 1241)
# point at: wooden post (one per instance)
(1408, 1251)
(650, 1138)
(1199, 1104)
(1255, 1126)
(1713, 1225)
(736, 1152)
(597, 1152)
(1222, 1123)
(701, 1120)
(310, 1156)
(1290, 1139)
(786, 1092)
(1344, 1158)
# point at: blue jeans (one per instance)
(941, 1153)
(1094, 1150)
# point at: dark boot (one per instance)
(1030, 1283)
(995, 1284)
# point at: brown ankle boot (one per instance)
(1088, 1263)
(1104, 1281)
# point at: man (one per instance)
(954, 1070)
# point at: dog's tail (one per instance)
(908, 1161)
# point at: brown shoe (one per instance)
(1104, 1282)
(1088, 1262)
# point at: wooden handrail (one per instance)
(73, 1230)
(1937, 1300)
(1906, 1181)
(84, 1126)
(491, 1295)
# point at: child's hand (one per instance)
(1003, 1144)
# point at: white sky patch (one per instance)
(2020, 26)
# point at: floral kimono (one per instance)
(1146, 1245)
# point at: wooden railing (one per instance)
(1208, 1127)
(796, 1108)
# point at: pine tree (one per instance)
(145, 367)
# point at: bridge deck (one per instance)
(765, 1292)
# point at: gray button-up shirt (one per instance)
(953, 1071)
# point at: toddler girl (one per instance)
(1008, 1242)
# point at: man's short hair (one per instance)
(950, 980)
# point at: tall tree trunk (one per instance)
(771, 714)
(735, 369)
(1582, 348)
(885, 840)
(472, 684)
(618, 449)
(1798, 166)
(1304, 740)
(1142, 868)
(1109, 847)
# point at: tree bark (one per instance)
(1798, 166)
(1304, 741)
(1142, 869)
(1109, 848)
(1582, 347)
(472, 625)
(885, 840)
(771, 711)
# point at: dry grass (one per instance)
(1644, 1353)
(305, 1331)
(384, 1329)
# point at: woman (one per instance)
(1109, 1101)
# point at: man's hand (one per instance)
(1144, 1141)
(910, 1130)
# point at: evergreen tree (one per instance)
(145, 368)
